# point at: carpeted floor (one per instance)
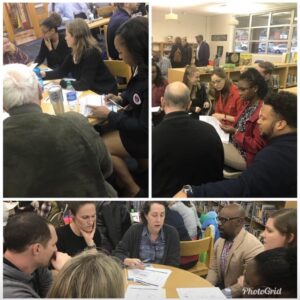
(31, 48)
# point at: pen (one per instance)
(115, 103)
(146, 260)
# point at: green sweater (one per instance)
(53, 156)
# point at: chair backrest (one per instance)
(119, 68)
(105, 39)
(209, 232)
(189, 248)
(105, 11)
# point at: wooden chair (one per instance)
(105, 39)
(105, 11)
(209, 233)
(189, 248)
(119, 68)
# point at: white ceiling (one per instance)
(209, 8)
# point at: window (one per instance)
(269, 33)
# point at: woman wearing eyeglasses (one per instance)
(53, 47)
(245, 138)
(226, 97)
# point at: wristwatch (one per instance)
(188, 190)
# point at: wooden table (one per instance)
(98, 23)
(47, 106)
(292, 90)
(180, 279)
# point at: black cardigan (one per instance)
(56, 57)
(129, 246)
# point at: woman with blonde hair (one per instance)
(85, 63)
(89, 275)
(199, 100)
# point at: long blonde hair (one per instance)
(84, 40)
(89, 275)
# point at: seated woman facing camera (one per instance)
(129, 137)
(89, 275)
(84, 63)
(151, 241)
(53, 46)
(245, 138)
(82, 233)
(199, 100)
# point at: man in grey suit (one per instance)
(202, 52)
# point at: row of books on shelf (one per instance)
(262, 212)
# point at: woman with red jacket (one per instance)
(245, 139)
(227, 97)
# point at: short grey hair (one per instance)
(20, 86)
(177, 94)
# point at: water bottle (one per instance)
(227, 293)
(71, 96)
(37, 72)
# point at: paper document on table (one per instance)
(95, 100)
(200, 293)
(155, 109)
(5, 115)
(216, 124)
(139, 292)
(149, 276)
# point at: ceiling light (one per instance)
(171, 15)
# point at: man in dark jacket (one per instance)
(202, 52)
(184, 150)
(273, 172)
(46, 155)
(30, 245)
(120, 16)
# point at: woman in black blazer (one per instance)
(85, 63)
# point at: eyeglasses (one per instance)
(224, 220)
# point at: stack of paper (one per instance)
(149, 276)
(139, 292)
(200, 293)
(94, 100)
(216, 124)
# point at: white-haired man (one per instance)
(45, 155)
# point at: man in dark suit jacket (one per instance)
(202, 52)
(183, 149)
(120, 16)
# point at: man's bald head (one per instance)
(177, 96)
(234, 210)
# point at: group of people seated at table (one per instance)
(124, 135)
(257, 121)
(241, 264)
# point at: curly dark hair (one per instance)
(277, 268)
(285, 105)
(254, 78)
